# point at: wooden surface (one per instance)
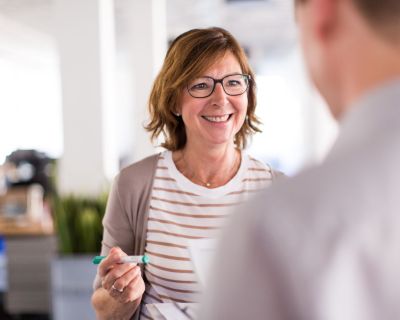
(24, 212)
(23, 227)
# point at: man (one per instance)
(326, 244)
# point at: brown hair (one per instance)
(189, 55)
(382, 15)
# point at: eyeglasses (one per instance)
(233, 85)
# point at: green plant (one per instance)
(78, 223)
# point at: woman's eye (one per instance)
(200, 86)
(234, 83)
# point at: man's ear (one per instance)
(325, 16)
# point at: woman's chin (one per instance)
(218, 141)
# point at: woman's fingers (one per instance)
(114, 256)
(118, 273)
(123, 281)
(111, 269)
(134, 289)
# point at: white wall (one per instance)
(30, 108)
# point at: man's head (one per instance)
(382, 15)
(349, 46)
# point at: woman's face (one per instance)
(214, 120)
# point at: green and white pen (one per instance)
(127, 259)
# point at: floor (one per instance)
(5, 316)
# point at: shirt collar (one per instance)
(376, 112)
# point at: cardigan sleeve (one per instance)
(124, 222)
(117, 230)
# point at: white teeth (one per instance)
(217, 119)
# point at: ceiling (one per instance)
(259, 25)
(264, 27)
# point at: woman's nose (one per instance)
(219, 97)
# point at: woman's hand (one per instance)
(123, 281)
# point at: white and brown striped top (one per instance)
(180, 211)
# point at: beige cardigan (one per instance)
(125, 220)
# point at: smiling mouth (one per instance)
(223, 118)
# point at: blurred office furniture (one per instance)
(29, 267)
(28, 233)
(72, 283)
(3, 279)
(27, 167)
(30, 249)
(3, 266)
(27, 229)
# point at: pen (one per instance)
(127, 259)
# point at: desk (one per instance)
(23, 228)
(30, 248)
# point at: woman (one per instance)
(203, 102)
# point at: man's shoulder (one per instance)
(345, 187)
(308, 196)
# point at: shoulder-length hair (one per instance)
(189, 55)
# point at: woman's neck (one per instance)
(208, 167)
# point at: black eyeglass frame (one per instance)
(215, 81)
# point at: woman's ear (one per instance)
(177, 112)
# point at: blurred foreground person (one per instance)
(326, 244)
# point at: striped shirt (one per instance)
(181, 211)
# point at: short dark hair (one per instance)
(189, 55)
(382, 15)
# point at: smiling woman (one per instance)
(189, 58)
(203, 102)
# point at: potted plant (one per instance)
(79, 231)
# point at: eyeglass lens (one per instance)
(233, 85)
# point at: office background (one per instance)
(75, 77)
